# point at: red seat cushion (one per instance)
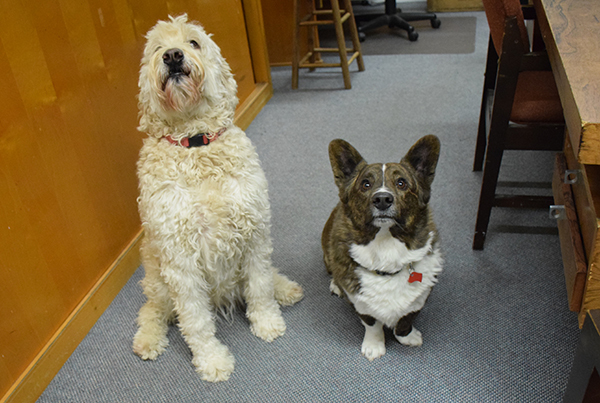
(536, 99)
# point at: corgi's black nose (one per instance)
(173, 57)
(383, 200)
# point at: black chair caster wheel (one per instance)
(435, 23)
(413, 36)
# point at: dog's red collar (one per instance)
(199, 140)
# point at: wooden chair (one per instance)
(521, 100)
(312, 59)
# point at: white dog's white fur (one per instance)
(205, 210)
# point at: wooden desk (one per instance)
(570, 29)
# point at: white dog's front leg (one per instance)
(373, 345)
(151, 338)
(262, 310)
(212, 360)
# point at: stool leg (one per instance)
(314, 42)
(354, 35)
(296, 47)
(339, 33)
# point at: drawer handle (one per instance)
(572, 176)
(557, 212)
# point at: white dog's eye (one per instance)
(194, 44)
(157, 49)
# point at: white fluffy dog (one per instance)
(203, 204)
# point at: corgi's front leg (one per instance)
(406, 333)
(373, 345)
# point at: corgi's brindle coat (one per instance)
(380, 244)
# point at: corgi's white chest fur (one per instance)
(388, 298)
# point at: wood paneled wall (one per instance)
(279, 26)
(68, 147)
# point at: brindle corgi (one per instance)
(380, 244)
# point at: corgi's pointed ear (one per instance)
(345, 161)
(423, 157)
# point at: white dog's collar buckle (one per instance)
(199, 140)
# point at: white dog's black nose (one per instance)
(383, 200)
(173, 57)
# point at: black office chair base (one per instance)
(394, 18)
(392, 21)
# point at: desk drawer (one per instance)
(585, 185)
(571, 245)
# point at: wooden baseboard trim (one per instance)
(33, 381)
(247, 111)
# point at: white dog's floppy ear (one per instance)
(345, 163)
(213, 84)
(218, 80)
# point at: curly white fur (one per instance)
(205, 210)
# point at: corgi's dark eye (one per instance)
(194, 44)
(365, 184)
(401, 184)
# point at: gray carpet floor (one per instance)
(496, 328)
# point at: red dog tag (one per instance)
(414, 276)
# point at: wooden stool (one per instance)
(313, 58)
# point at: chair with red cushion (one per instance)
(520, 108)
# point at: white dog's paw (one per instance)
(268, 325)
(149, 346)
(216, 366)
(287, 292)
(413, 339)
